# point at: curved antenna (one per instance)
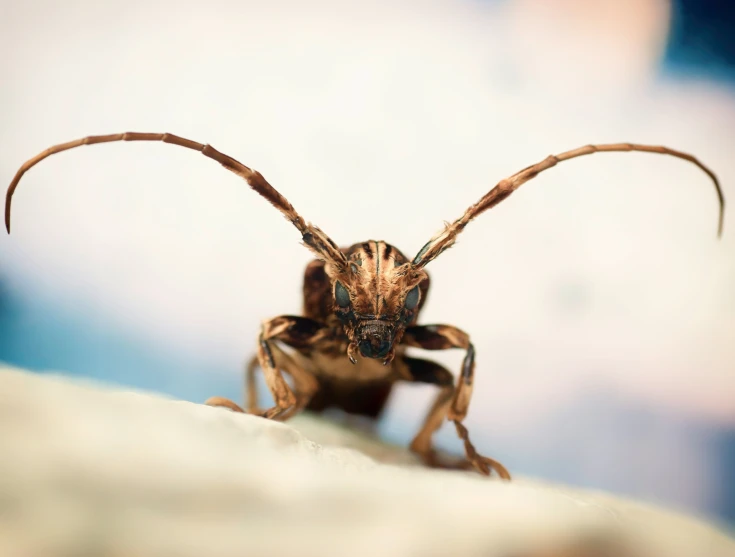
(313, 238)
(446, 238)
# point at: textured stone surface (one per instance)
(90, 470)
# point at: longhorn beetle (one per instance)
(360, 312)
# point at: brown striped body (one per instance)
(362, 388)
(361, 306)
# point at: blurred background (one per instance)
(599, 299)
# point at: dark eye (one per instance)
(412, 299)
(341, 296)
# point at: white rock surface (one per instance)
(90, 470)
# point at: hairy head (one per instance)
(376, 297)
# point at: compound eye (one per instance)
(412, 298)
(341, 296)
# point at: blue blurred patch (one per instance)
(701, 42)
(41, 337)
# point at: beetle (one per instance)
(360, 311)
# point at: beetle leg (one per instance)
(426, 371)
(251, 390)
(305, 384)
(453, 402)
(294, 331)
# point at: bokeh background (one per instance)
(600, 301)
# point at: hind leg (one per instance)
(425, 371)
(452, 402)
(251, 388)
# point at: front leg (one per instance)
(452, 403)
(294, 331)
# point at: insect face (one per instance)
(376, 297)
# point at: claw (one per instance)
(481, 463)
